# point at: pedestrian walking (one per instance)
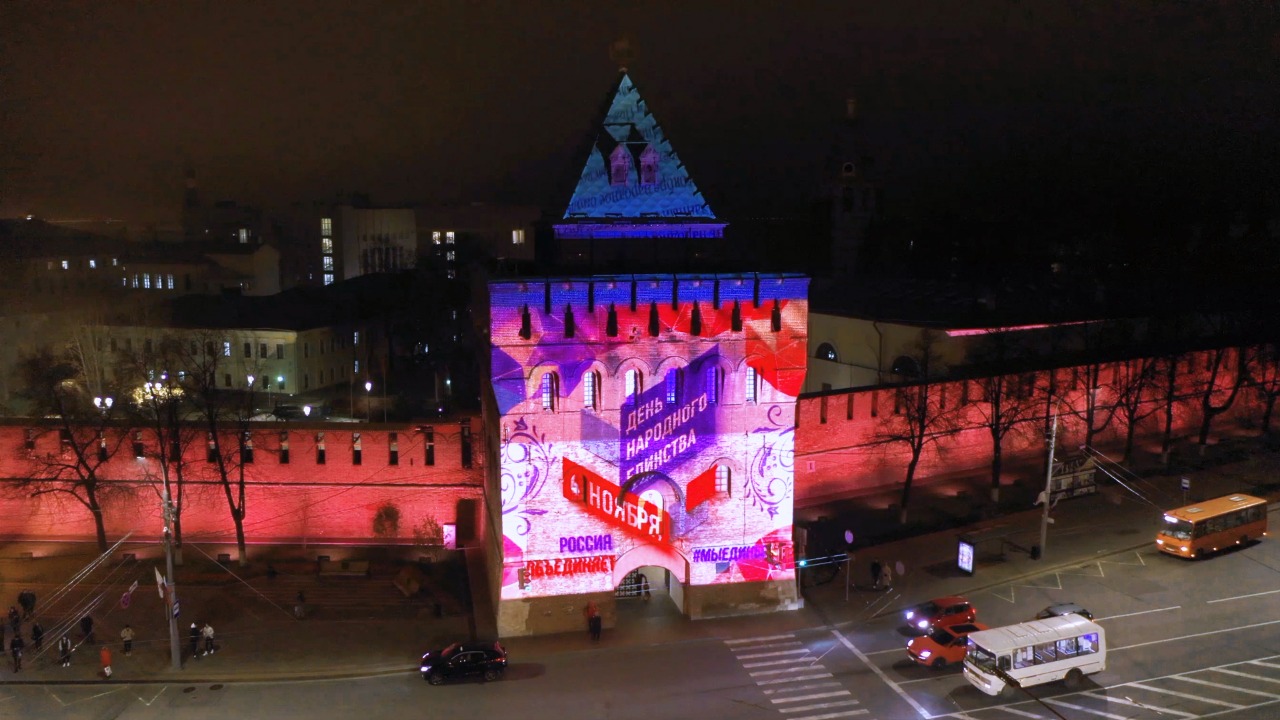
(16, 649)
(592, 613)
(886, 577)
(86, 628)
(194, 636)
(27, 601)
(37, 636)
(104, 656)
(127, 636)
(64, 651)
(300, 607)
(644, 587)
(15, 620)
(207, 633)
(875, 573)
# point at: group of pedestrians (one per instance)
(881, 575)
(197, 634)
(16, 646)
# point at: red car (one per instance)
(941, 612)
(943, 645)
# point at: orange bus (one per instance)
(1213, 525)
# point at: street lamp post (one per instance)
(1048, 486)
(250, 378)
(368, 401)
(159, 394)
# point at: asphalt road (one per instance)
(1185, 639)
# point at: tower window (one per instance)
(649, 166)
(712, 384)
(619, 166)
(751, 385)
(589, 389)
(633, 384)
(548, 390)
(722, 478)
(673, 386)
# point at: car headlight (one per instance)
(911, 614)
(924, 654)
(922, 624)
(1159, 542)
(1184, 548)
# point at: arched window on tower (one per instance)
(649, 166)
(548, 390)
(619, 166)
(633, 385)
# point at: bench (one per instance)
(343, 568)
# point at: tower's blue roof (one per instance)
(671, 195)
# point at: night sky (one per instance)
(1062, 107)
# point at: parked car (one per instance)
(486, 660)
(1066, 608)
(943, 645)
(941, 612)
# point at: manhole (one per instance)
(218, 686)
(188, 690)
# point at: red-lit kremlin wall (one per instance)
(336, 502)
(840, 442)
(298, 501)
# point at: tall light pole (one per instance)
(1048, 485)
(156, 392)
(368, 401)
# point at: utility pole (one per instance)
(1048, 485)
(175, 649)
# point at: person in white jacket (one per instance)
(207, 632)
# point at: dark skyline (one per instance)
(980, 105)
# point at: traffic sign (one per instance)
(1186, 484)
(175, 608)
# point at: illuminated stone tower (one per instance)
(646, 421)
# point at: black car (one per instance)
(486, 660)
(1066, 608)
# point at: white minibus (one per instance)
(1031, 653)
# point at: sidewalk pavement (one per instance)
(362, 626)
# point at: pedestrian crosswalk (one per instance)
(793, 679)
(1244, 686)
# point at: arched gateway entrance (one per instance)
(650, 580)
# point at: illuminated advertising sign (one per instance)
(646, 421)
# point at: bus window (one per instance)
(1067, 648)
(1088, 643)
(1045, 654)
(1022, 657)
(1177, 529)
(1004, 662)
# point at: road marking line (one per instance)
(1143, 612)
(1248, 675)
(766, 638)
(766, 646)
(882, 652)
(762, 673)
(802, 688)
(1224, 686)
(847, 713)
(773, 654)
(1193, 635)
(779, 681)
(815, 696)
(1160, 710)
(780, 661)
(1263, 662)
(819, 706)
(1241, 597)
(867, 661)
(1015, 711)
(1188, 696)
(1082, 708)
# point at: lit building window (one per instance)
(326, 227)
(115, 262)
(328, 263)
(712, 384)
(226, 348)
(244, 235)
(326, 246)
(722, 478)
(66, 265)
(450, 256)
(355, 338)
(170, 279)
(357, 367)
(633, 384)
(93, 263)
(135, 281)
(517, 237)
(673, 386)
(435, 237)
(328, 278)
(146, 281)
(449, 237)
(751, 384)
(159, 281)
(548, 391)
(453, 274)
(589, 390)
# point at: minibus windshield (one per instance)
(981, 657)
(1177, 529)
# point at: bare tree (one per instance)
(919, 419)
(1006, 406)
(221, 409)
(1219, 390)
(1262, 365)
(87, 439)
(1137, 377)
